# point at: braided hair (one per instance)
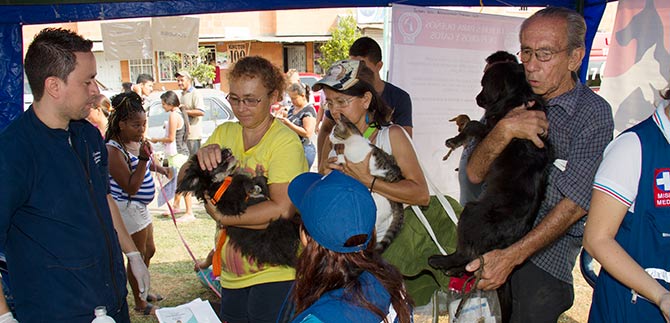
(125, 105)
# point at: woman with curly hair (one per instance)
(339, 275)
(263, 146)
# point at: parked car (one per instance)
(310, 79)
(217, 111)
(28, 93)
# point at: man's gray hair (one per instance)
(576, 26)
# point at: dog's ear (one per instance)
(190, 182)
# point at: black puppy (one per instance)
(232, 192)
(506, 210)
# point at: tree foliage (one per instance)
(196, 65)
(337, 48)
(203, 70)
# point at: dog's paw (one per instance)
(439, 262)
(453, 143)
(450, 265)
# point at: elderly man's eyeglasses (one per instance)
(250, 102)
(339, 102)
(542, 55)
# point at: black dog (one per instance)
(232, 192)
(506, 210)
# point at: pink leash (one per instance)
(174, 220)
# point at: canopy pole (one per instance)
(592, 15)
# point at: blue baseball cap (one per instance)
(334, 208)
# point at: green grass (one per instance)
(171, 267)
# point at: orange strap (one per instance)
(216, 259)
(222, 189)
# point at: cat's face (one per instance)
(343, 130)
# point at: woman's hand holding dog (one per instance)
(524, 124)
(209, 156)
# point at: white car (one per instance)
(217, 111)
(28, 93)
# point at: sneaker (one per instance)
(186, 218)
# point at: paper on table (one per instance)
(197, 311)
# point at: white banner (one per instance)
(437, 56)
(638, 62)
(175, 34)
(126, 40)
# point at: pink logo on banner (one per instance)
(662, 187)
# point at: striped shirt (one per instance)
(147, 190)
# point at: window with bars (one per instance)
(170, 63)
(140, 66)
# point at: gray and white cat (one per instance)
(390, 214)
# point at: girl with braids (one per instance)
(339, 276)
(131, 183)
(176, 149)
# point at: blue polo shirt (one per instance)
(62, 250)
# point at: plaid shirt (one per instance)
(580, 127)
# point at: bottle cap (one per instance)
(100, 311)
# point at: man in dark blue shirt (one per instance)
(56, 225)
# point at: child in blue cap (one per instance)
(339, 276)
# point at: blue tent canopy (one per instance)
(17, 13)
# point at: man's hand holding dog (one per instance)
(209, 156)
(498, 265)
(524, 124)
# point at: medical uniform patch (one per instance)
(662, 187)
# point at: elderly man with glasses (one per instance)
(579, 125)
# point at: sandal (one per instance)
(186, 218)
(150, 309)
(155, 298)
(176, 211)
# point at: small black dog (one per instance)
(506, 210)
(275, 245)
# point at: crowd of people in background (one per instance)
(71, 242)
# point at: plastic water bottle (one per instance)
(101, 316)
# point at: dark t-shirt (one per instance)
(296, 118)
(399, 101)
